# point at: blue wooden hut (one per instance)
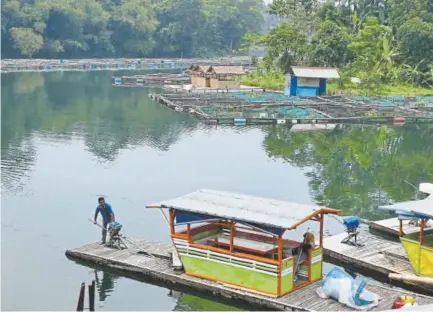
(308, 81)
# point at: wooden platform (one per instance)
(130, 261)
(377, 258)
(391, 226)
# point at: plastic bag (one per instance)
(340, 286)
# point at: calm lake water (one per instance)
(68, 138)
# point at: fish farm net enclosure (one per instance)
(19, 65)
(271, 107)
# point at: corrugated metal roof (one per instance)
(221, 70)
(315, 72)
(240, 207)
(421, 207)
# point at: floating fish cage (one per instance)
(18, 65)
(262, 112)
(274, 108)
(410, 101)
(151, 79)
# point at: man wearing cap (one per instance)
(107, 216)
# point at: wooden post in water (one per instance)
(80, 305)
(92, 296)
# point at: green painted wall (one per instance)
(287, 281)
(227, 273)
(316, 268)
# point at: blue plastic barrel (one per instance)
(351, 222)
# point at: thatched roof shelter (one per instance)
(226, 70)
(196, 69)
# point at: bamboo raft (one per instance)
(132, 261)
(20, 65)
(377, 257)
(225, 108)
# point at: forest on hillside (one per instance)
(126, 28)
(378, 41)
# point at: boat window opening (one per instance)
(428, 237)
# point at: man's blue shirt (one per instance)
(105, 212)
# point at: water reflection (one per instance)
(358, 168)
(62, 106)
(105, 285)
(188, 302)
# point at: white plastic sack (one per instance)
(340, 286)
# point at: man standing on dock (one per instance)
(107, 216)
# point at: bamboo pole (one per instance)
(92, 296)
(80, 304)
(411, 278)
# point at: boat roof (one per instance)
(420, 208)
(426, 188)
(244, 208)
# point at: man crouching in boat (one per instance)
(107, 216)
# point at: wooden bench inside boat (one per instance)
(243, 244)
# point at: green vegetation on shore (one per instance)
(126, 28)
(275, 80)
(387, 44)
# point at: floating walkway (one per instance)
(376, 257)
(158, 267)
(150, 79)
(258, 107)
(24, 65)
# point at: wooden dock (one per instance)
(391, 226)
(158, 268)
(376, 258)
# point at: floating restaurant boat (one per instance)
(239, 243)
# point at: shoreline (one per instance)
(276, 81)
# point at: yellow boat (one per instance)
(418, 245)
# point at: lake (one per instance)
(69, 137)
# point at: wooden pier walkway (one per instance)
(158, 268)
(378, 257)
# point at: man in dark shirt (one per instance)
(107, 216)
